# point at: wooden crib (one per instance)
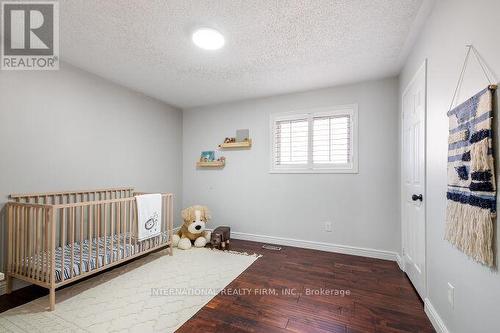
(60, 237)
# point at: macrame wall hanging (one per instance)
(471, 204)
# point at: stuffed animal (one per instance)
(193, 229)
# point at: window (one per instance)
(321, 140)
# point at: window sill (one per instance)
(312, 171)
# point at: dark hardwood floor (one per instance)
(274, 295)
(381, 297)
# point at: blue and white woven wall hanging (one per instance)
(471, 208)
(471, 195)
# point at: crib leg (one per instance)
(9, 285)
(170, 250)
(52, 299)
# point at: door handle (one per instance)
(417, 197)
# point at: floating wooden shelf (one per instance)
(242, 144)
(214, 164)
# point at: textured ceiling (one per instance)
(272, 46)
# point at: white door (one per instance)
(413, 180)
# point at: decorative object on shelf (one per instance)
(207, 156)
(242, 135)
(220, 238)
(229, 140)
(471, 195)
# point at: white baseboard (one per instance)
(434, 317)
(400, 262)
(329, 247)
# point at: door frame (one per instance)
(402, 189)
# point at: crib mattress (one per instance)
(118, 252)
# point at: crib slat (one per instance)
(167, 226)
(35, 245)
(72, 225)
(112, 226)
(15, 232)
(44, 247)
(81, 238)
(9, 238)
(118, 229)
(42, 251)
(39, 251)
(171, 224)
(169, 230)
(23, 233)
(89, 225)
(124, 228)
(23, 240)
(171, 227)
(52, 247)
(136, 231)
(43, 237)
(96, 224)
(63, 240)
(20, 240)
(12, 237)
(167, 212)
(129, 208)
(29, 221)
(105, 234)
(37, 254)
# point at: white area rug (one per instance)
(157, 293)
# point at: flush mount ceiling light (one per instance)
(208, 39)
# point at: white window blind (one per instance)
(317, 141)
(331, 139)
(291, 142)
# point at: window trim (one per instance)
(348, 109)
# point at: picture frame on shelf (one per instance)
(207, 156)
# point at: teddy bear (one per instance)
(193, 228)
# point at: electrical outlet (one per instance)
(328, 226)
(451, 295)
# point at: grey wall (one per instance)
(68, 129)
(363, 207)
(452, 24)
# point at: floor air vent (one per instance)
(271, 247)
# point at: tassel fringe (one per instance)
(470, 229)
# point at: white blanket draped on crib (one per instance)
(148, 216)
